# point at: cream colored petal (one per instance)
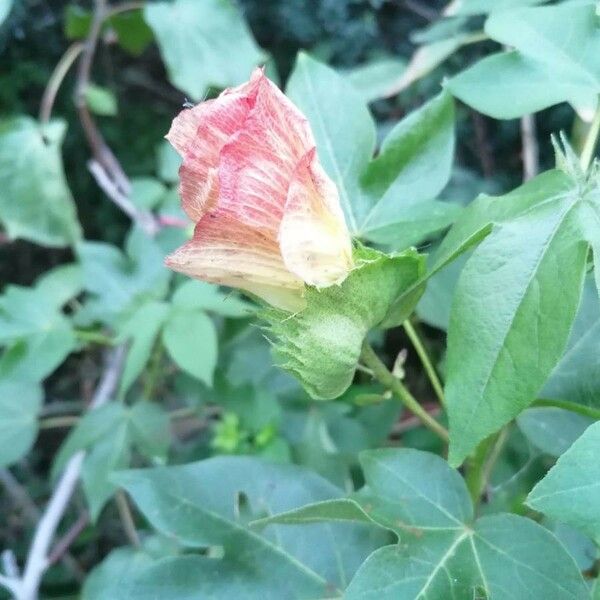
(313, 237)
(226, 252)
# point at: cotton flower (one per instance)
(268, 218)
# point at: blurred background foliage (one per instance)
(204, 365)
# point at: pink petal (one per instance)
(314, 240)
(258, 163)
(199, 134)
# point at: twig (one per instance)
(56, 79)
(58, 422)
(105, 167)
(412, 422)
(37, 560)
(21, 498)
(19, 495)
(9, 564)
(530, 147)
(144, 219)
(61, 547)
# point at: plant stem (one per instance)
(55, 422)
(154, 371)
(384, 376)
(476, 472)
(56, 79)
(591, 140)
(93, 337)
(127, 519)
(586, 411)
(412, 334)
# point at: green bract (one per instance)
(321, 344)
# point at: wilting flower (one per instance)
(268, 218)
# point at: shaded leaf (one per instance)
(513, 308)
(191, 340)
(200, 508)
(35, 202)
(20, 402)
(570, 492)
(547, 66)
(204, 44)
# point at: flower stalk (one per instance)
(385, 377)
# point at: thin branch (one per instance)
(127, 519)
(105, 167)
(37, 560)
(56, 79)
(530, 147)
(30, 511)
(9, 564)
(144, 219)
(62, 546)
(19, 496)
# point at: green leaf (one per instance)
(133, 35)
(150, 429)
(101, 100)
(37, 334)
(552, 430)
(194, 294)
(200, 508)
(61, 284)
(119, 282)
(576, 378)
(413, 166)
(373, 79)
(93, 426)
(474, 7)
(426, 59)
(107, 580)
(20, 402)
(388, 199)
(442, 553)
(141, 329)
(147, 192)
(547, 66)
(434, 305)
(513, 308)
(343, 128)
(191, 340)
(107, 434)
(321, 344)
(168, 163)
(109, 454)
(5, 8)
(35, 202)
(203, 44)
(570, 492)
